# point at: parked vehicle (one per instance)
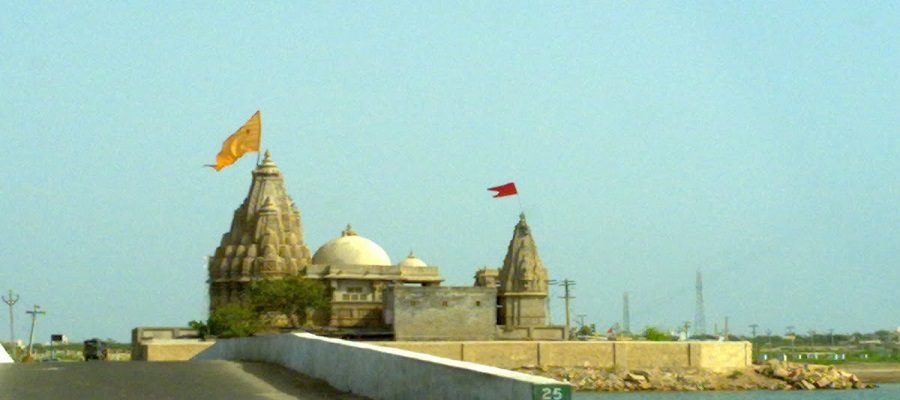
(94, 349)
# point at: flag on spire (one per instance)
(244, 140)
(507, 189)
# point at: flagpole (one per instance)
(259, 150)
(519, 198)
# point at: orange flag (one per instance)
(244, 140)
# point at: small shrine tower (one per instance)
(522, 291)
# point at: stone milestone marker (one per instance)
(523, 281)
(265, 239)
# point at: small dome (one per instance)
(351, 249)
(412, 261)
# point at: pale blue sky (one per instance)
(757, 141)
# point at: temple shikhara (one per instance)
(368, 292)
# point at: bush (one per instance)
(656, 335)
(234, 320)
(292, 297)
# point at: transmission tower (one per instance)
(626, 315)
(699, 314)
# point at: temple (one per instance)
(368, 291)
(521, 282)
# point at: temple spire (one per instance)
(523, 280)
(265, 238)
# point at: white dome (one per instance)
(412, 261)
(351, 249)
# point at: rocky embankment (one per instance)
(771, 376)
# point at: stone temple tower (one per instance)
(265, 239)
(522, 290)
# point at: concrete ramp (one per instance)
(386, 373)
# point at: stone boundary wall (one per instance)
(713, 356)
(386, 373)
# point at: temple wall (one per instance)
(441, 313)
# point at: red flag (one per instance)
(508, 189)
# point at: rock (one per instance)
(806, 385)
(823, 382)
(641, 372)
(780, 372)
(632, 377)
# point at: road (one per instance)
(160, 380)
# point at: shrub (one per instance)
(656, 335)
(292, 297)
(234, 320)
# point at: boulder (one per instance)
(632, 377)
(823, 382)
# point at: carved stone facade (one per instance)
(522, 291)
(265, 239)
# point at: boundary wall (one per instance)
(713, 356)
(386, 373)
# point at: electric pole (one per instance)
(831, 337)
(753, 332)
(550, 284)
(581, 320)
(567, 284)
(11, 301)
(34, 313)
(626, 315)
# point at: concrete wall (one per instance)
(421, 313)
(170, 350)
(383, 373)
(146, 334)
(715, 356)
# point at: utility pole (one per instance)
(831, 337)
(550, 284)
(581, 320)
(626, 315)
(753, 332)
(11, 301)
(812, 338)
(34, 313)
(726, 328)
(567, 284)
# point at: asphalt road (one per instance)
(159, 380)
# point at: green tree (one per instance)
(201, 327)
(293, 296)
(656, 335)
(234, 320)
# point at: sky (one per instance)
(757, 142)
